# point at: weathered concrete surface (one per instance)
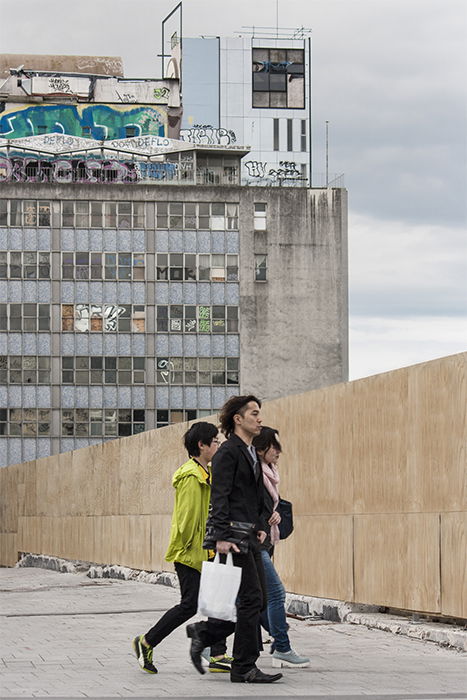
(64, 635)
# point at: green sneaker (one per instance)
(222, 665)
(144, 655)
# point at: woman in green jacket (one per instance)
(192, 483)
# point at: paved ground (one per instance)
(64, 635)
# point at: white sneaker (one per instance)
(289, 658)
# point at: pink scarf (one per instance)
(271, 483)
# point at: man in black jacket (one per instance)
(237, 495)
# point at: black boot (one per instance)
(197, 645)
(254, 676)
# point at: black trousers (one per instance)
(250, 601)
(189, 587)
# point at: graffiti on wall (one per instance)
(207, 134)
(161, 93)
(97, 121)
(286, 172)
(84, 170)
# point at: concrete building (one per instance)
(253, 90)
(141, 283)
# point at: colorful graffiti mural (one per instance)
(96, 121)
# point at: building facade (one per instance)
(141, 283)
(251, 90)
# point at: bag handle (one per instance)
(229, 561)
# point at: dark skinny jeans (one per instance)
(189, 587)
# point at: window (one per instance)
(25, 422)
(121, 215)
(177, 318)
(188, 266)
(261, 268)
(24, 317)
(275, 135)
(24, 265)
(166, 417)
(130, 132)
(17, 212)
(278, 78)
(303, 135)
(214, 216)
(103, 370)
(24, 369)
(260, 217)
(107, 318)
(197, 370)
(98, 422)
(290, 134)
(86, 132)
(217, 170)
(97, 266)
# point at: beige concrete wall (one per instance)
(376, 470)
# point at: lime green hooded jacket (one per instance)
(192, 493)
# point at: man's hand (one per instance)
(224, 547)
(261, 535)
(274, 519)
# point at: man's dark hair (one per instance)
(199, 432)
(236, 404)
(266, 439)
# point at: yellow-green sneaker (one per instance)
(144, 655)
(222, 665)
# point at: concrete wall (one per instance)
(375, 469)
(294, 328)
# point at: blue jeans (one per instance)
(273, 618)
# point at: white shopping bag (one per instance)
(218, 589)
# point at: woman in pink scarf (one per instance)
(274, 619)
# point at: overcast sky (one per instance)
(390, 76)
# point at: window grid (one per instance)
(167, 417)
(107, 318)
(103, 370)
(24, 317)
(188, 267)
(88, 214)
(24, 369)
(177, 318)
(278, 78)
(214, 216)
(197, 370)
(27, 212)
(24, 264)
(87, 265)
(102, 422)
(25, 422)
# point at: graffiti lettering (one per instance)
(126, 97)
(139, 142)
(287, 171)
(205, 133)
(161, 93)
(92, 170)
(60, 85)
(255, 168)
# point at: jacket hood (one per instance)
(190, 468)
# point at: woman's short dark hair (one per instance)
(267, 438)
(236, 404)
(199, 432)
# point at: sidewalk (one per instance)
(65, 635)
